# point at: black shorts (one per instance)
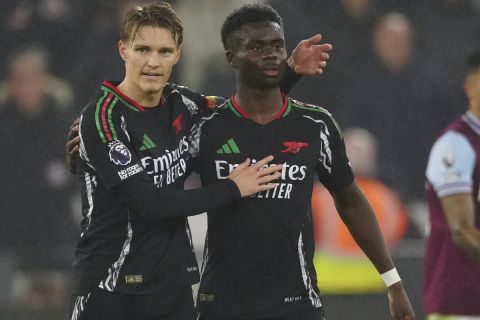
(311, 314)
(104, 305)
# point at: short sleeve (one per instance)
(333, 168)
(451, 164)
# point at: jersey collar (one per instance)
(129, 102)
(240, 112)
(471, 119)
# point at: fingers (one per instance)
(269, 178)
(324, 47)
(244, 164)
(270, 170)
(267, 186)
(73, 145)
(73, 131)
(259, 164)
(313, 40)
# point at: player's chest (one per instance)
(156, 132)
(161, 143)
(227, 143)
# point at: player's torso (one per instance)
(141, 253)
(446, 281)
(261, 245)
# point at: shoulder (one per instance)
(452, 141)
(315, 113)
(450, 164)
(308, 107)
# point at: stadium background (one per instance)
(396, 70)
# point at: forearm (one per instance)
(290, 78)
(468, 239)
(459, 212)
(360, 220)
(154, 204)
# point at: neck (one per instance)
(475, 109)
(147, 100)
(262, 105)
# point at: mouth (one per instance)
(152, 75)
(271, 71)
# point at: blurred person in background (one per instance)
(452, 256)
(347, 25)
(392, 95)
(341, 265)
(53, 23)
(37, 224)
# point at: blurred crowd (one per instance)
(396, 71)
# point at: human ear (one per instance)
(230, 58)
(122, 48)
(178, 54)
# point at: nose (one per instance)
(269, 53)
(153, 60)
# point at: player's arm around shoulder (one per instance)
(204, 104)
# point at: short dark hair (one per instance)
(473, 62)
(249, 13)
(159, 14)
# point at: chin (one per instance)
(274, 83)
(152, 88)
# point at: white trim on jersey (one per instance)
(80, 302)
(110, 282)
(472, 121)
(325, 155)
(90, 185)
(194, 137)
(191, 106)
(189, 234)
(205, 257)
(82, 150)
(307, 280)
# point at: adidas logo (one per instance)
(229, 147)
(147, 143)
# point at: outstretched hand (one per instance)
(310, 57)
(72, 146)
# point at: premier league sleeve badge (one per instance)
(119, 153)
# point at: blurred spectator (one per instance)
(36, 224)
(341, 265)
(393, 95)
(49, 22)
(347, 25)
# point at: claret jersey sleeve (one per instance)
(108, 151)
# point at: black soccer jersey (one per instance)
(259, 250)
(135, 237)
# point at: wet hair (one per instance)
(247, 14)
(158, 14)
(473, 62)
